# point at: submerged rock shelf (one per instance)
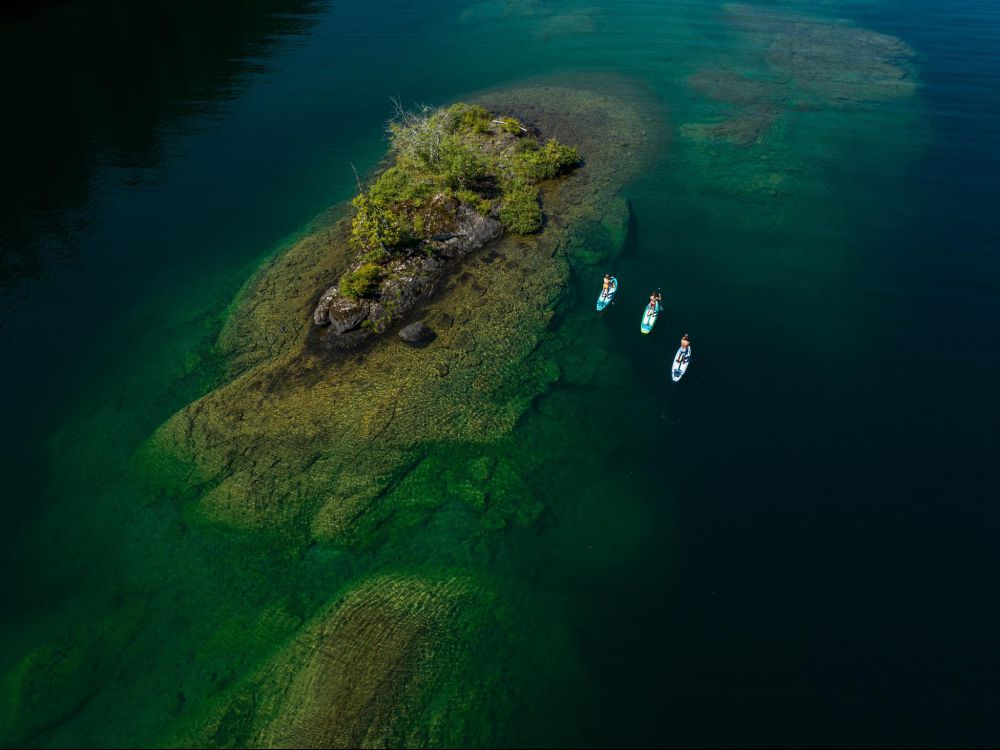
(809, 63)
(337, 432)
(359, 452)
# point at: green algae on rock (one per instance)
(375, 452)
(409, 659)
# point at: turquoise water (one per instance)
(792, 545)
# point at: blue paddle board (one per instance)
(604, 298)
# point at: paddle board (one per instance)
(603, 300)
(649, 318)
(679, 368)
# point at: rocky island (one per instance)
(368, 457)
(462, 176)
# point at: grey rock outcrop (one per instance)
(345, 314)
(409, 278)
(416, 333)
(322, 311)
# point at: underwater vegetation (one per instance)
(386, 479)
(349, 453)
(771, 117)
(363, 570)
(809, 63)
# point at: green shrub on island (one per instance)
(417, 136)
(470, 118)
(536, 163)
(361, 282)
(520, 211)
(375, 229)
(459, 166)
(510, 125)
(473, 200)
(462, 152)
(397, 185)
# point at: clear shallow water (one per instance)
(791, 546)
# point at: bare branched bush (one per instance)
(418, 134)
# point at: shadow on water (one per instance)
(96, 85)
(631, 247)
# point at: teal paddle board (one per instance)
(604, 298)
(649, 318)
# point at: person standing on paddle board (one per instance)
(653, 299)
(685, 349)
(607, 284)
